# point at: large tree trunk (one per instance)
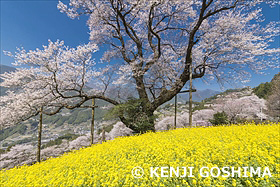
(140, 121)
(151, 120)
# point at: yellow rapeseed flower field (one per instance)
(112, 163)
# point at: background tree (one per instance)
(263, 90)
(242, 108)
(167, 123)
(219, 118)
(155, 41)
(273, 101)
(203, 115)
(56, 78)
(119, 129)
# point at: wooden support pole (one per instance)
(92, 122)
(175, 117)
(40, 135)
(103, 139)
(190, 98)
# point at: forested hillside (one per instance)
(264, 90)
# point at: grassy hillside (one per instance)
(112, 163)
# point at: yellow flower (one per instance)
(233, 183)
(111, 163)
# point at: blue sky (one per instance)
(30, 24)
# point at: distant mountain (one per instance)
(4, 69)
(198, 96)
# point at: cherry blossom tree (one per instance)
(81, 141)
(167, 122)
(247, 107)
(155, 42)
(119, 129)
(18, 155)
(52, 78)
(201, 117)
